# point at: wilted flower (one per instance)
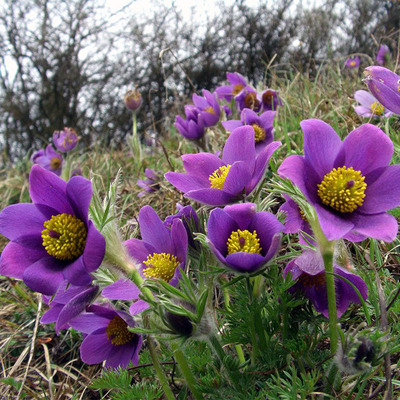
(65, 140)
(132, 99)
(48, 159)
(350, 183)
(237, 84)
(248, 98)
(208, 106)
(385, 86)
(309, 271)
(242, 238)
(263, 126)
(211, 180)
(107, 337)
(192, 127)
(270, 100)
(52, 240)
(151, 184)
(383, 55)
(352, 62)
(370, 106)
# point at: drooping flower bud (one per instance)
(132, 99)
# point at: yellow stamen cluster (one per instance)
(259, 133)
(117, 332)
(237, 89)
(64, 237)
(217, 178)
(209, 110)
(243, 241)
(55, 163)
(377, 108)
(343, 189)
(160, 265)
(352, 63)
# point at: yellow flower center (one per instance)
(352, 63)
(377, 108)
(259, 133)
(217, 178)
(209, 109)
(342, 189)
(302, 215)
(117, 332)
(237, 89)
(55, 163)
(64, 237)
(243, 241)
(160, 265)
(251, 101)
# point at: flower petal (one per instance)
(201, 165)
(123, 289)
(244, 262)
(95, 348)
(179, 240)
(213, 197)
(94, 249)
(365, 98)
(79, 192)
(76, 273)
(333, 226)
(186, 183)
(220, 225)
(241, 213)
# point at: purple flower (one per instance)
(309, 271)
(237, 84)
(263, 126)
(52, 240)
(248, 98)
(151, 184)
(243, 239)
(383, 55)
(208, 106)
(65, 140)
(107, 337)
(352, 62)
(228, 111)
(370, 106)
(132, 99)
(48, 159)
(211, 180)
(270, 100)
(68, 303)
(350, 183)
(192, 127)
(385, 86)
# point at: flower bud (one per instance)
(65, 140)
(133, 99)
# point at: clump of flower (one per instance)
(369, 106)
(52, 239)
(383, 55)
(48, 159)
(352, 62)
(237, 84)
(133, 99)
(192, 127)
(65, 140)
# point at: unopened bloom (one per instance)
(352, 62)
(211, 180)
(208, 106)
(350, 183)
(383, 55)
(242, 238)
(248, 98)
(107, 337)
(151, 184)
(52, 240)
(132, 99)
(369, 105)
(385, 86)
(48, 159)
(270, 99)
(192, 127)
(237, 84)
(263, 126)
(65, 140)
(309, 272)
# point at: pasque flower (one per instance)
(211, 180)
(65, 140)
(151, 184)
(52, 240)
(192, 127)
(248, 98)
(107, 337)
(133, 99)
(369, 105)
(385, 86)
(352, 62)
(270, 99)
(350, 183)
(237, 84)
(309, 272)
(49, 159)
(263, 126)
(242, 238)
(383, 54)
(208, 107)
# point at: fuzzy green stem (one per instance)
(66, 168)
(134, 142)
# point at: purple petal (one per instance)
(213, 197)
(179, 240)
(138, 306)
(79, 193)
(293, 168)
(89, 322)
(244, 262)
(231, 125)
(94, 249)
(333, 226)
(363, 111)
(52, 314)
(123, 289)
(139, 250)
(186, 183)
(220, 225)
(267, 226)
(237, 178)
(364, 98)
(201, 165)
(95, 348)
(76, 273)
(242, 214)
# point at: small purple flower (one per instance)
(192, 127)
(309, 271)
(248, 98)
(385, 86)
(65, 140)
(133, 99)
(350, 183)
(352, 62)
(52, 240)
(211, 180)
(48, 159)
(68, 303)
(242, 238)
(370, 106)
(151, 184)
(263, 126)
(383, 55)
(208, 106)
(228, 111)
(270, 100)
(237, 84)
(107, 337)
